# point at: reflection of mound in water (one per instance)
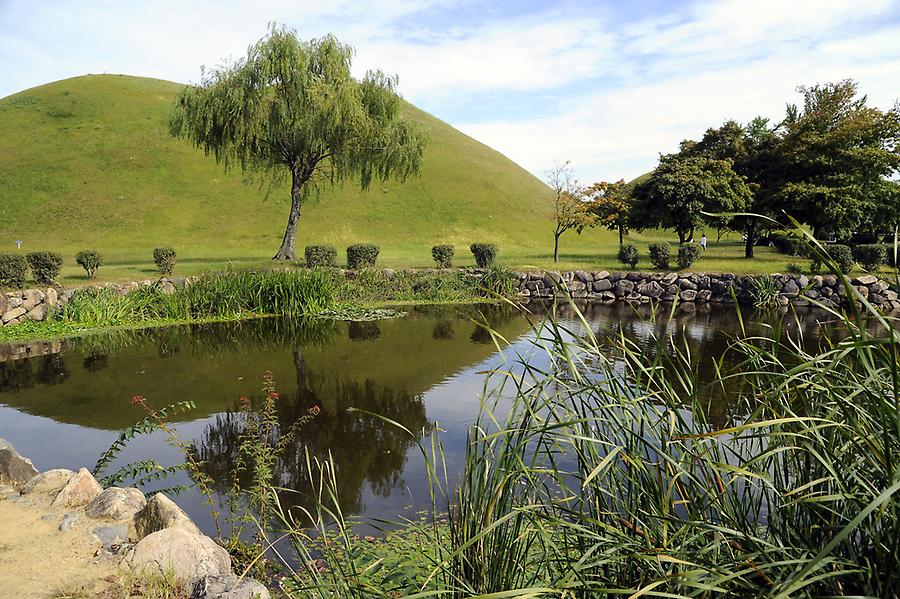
(18, 375)
(363, 330)
(443, 331)
(364, 449)
(95, 362)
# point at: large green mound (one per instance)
(88, 162)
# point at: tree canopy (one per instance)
(572, 210)
(842, 156)
(292, 110)
(611, 202)
(682, 188)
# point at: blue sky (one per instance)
(607, 85)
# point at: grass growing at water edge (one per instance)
(605, 478)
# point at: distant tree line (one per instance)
(831, 163)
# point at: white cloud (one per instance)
(607, 94)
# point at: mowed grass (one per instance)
(87, 163)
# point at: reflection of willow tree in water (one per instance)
(364, 448)
(18, 375)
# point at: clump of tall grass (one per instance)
(224, 295)
(602, 476)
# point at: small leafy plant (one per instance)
(44, 266)
(164, 258)
(688, 253)
(628, 255)
(764, 291)
(659, 255)
(13, 268)
(320, 255)
(485, 254)
(90, 261)
(361, 255)
(443, 255)
(870, 256)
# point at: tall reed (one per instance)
(599, 474)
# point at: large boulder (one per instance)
(161, 513)
(14, 468)
(49, 482)
(228, 587)
(81, 489)
(116, 504)
(13, 314)
(189, 556)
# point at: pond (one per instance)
(64, 404)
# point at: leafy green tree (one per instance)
(291, 110)
(754, 154)
(572, 210)
(682, 188)
(843, 159)
(611, 202)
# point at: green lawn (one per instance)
(87, 163)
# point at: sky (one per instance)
(606, 85)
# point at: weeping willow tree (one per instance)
(291, 110)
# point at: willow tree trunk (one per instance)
(556, 246)
(287, 250)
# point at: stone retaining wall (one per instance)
(799, 290)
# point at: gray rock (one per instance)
(37, 313)
(52, 298)
(602, 285)
(167, 288)
(599, 276)
(116, 504)
(688, 295)
(878, 287)
(111, 535)
(669, 278)
(189, 556)
(863, 290)
(161, 513)
(14, 468)
(13, 302)
(802, 281)
(864, 280)
(790, 288)
(704, 295)
(687, 284)
(49, 482)
(623, 288)
(652, 289)
(68, 521)
(228, 587)
(81, 489)
(13, 314)
(389, 273)
(584, 277)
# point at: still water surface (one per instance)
(63, 409)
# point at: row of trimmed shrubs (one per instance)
(45, 266)
(364, 255)
(870, 256)
(661, 255)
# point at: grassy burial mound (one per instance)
(88, 162)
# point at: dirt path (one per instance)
(38, 561)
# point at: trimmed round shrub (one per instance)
(688, 253)
(320, 255)
(13, 268)
(840, 255)
(361, 255)
(44, 266)
(787, 244)
(165, 260)
(870, 256)
(659, 255)
(485, 254)
(628, 255)
(90, 261)
(443, 255)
